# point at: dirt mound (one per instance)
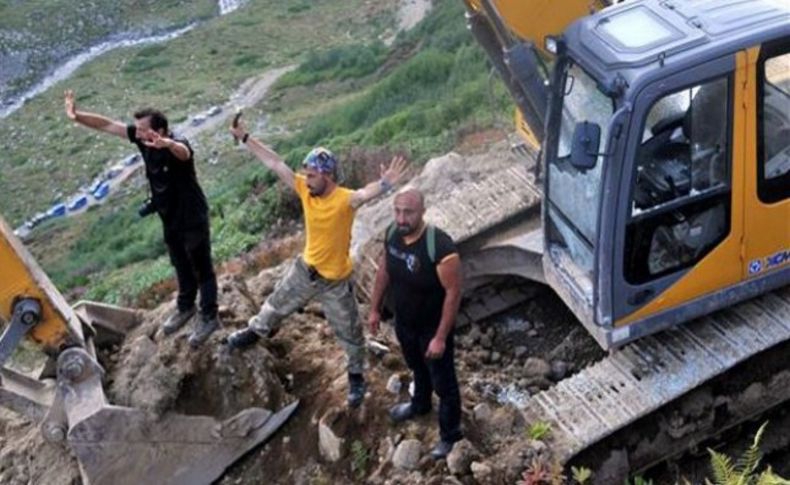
(26, 458)
(158, 373)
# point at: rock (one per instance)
(407, 455)
(330, 445)
(386, 450)
(480, 471)
(482, 412)
(540, 447)
(496, 357)
(536, 368)
(559, 369)
(377, 348)
(519, 352)
(474, 334)
(461, 457)
(394, 384)
(503, 420)
(486, 342)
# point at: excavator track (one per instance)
(605, 417)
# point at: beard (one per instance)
(405, 229)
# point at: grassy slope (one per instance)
(414, 98)
(50, 30)
(184, 76)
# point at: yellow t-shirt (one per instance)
(327, 223)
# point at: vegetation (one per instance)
(744, 470)
(360, 457)
(413, 97)
(581, 475)
(539, 430)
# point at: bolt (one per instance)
(55, 433)
(73, 369)
(29, 318)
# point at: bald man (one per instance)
(422, 267)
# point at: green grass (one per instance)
(346, 94)
(188, 74)
(48, 30)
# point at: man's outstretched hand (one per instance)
(395, 171)
(238, 130)
(71, 109)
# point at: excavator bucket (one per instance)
(114, 445)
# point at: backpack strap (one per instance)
(390, 232)
(431, 241)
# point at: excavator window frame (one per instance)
(776, 189)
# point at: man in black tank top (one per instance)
(421, 267)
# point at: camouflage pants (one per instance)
(296, 289)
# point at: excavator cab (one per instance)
(114, 444)
(665, 156)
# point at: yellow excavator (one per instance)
(662, 134)
(114, 445)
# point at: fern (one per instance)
(747, 464)
(722, 468)
(743, 471)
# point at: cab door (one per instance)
(681, 217)
(767, 176)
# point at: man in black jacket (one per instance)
(178, 199)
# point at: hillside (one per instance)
(351, 92)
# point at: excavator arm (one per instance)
(513, 33)
(114, 445)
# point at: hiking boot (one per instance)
(242, 339)
(356, 390)
(177, 320)
(442, 449)
(205, 327)
(403, 412)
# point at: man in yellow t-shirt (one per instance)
(324, 270)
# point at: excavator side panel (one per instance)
(21, 276)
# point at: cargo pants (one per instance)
(296, 289)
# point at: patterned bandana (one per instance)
(321, 160)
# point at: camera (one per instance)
(147, 208)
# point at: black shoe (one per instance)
(403, 412)
(442, 449)
(205, 328)
(356, 390)
(177, 320)
(242, 339)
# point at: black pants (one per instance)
(190, 253)
(433, 375)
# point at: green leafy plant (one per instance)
(744, 470)
(581, 474)
(360, 456)
(539, 430)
